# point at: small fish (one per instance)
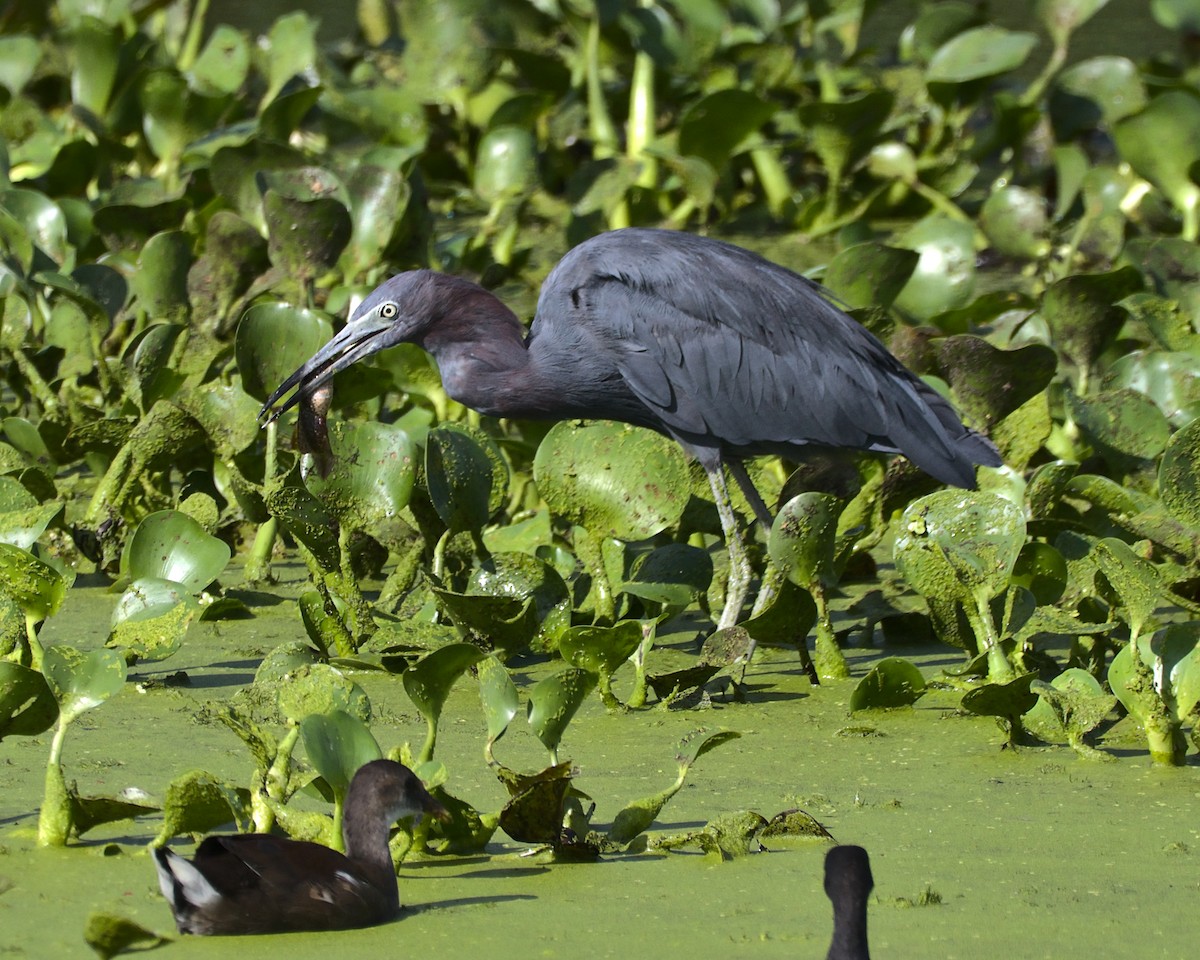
(312, 430)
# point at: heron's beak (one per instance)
(360, 338)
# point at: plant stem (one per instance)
(830, 663)
(54, 820)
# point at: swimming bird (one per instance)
(728, 353)
(255, 883)
(848, 882)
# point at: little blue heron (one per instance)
(848, 882)
(728, 353)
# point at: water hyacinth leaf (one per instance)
(990, 383)
(522, 578)
(428, 681)
(41, 217)
(842, 131)
(1133, 582)
(81, 681)
(869, 274)
(1068, 707)
(338, 744)
(35, 586)
(1061, 18)
(505, 163)
(1170, 379)
(160, 282)
(1095, 92)
(273, 339)
(95, 57)
(600, 650)
(614, 480)
(1014, 219)
(980, 52)
(227, 414)
(673, 575)
(291, 50)
(803, 537)
(1161, 143)
(1080, 312)
(534, 812)
(1041, 570)
(553, 701)
(223, 64)
(372, 474)
(787, 621)
(89, 812)
(721, 124)
(27, 704)
(305, 237)
(378, 197)
(108, 935)
(944, 277)
(172, 546)
(234, 253)
(498, 694)
(957, 544)
(306, 518)
(22, 527)
(197, 802)
(151, 619)
(1008, 701)
(466, 475)
(1179, 476)
(504, 624)
(321, 688)
(892, 682)
(1123, 422)
(19, 56)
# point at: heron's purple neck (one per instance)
(479, 345)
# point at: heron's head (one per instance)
(399, 310)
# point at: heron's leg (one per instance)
(739, 563)
(769, 586)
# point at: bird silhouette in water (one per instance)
(728, 353)
(848, 882)
(255, 883)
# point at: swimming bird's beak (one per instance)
(359, 338)
(437, 811)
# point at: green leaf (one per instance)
(869, 274)
(273, 339)
(1179, 476)
(35, 586)
(337, 745)
(1122, 422)
(498, 694)
(803, 538)
(722, 124)
(892, 682)
(980, 52)
(944, 278)
(319, 688)
(1136, 583)
(27, 704)
(466, 475)
(82, 681)
(601, 650)
(197, 802)
(428, 681)
(612, 479)
(1161, 143)
(372, 474)
(170, 545)
(554, 700)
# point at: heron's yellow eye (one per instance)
(388, 311)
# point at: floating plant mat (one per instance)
(1034, 848)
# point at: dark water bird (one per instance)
(728, 353)
(848, 882)
(255, 883)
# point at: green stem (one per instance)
(828, 657)
(776, 186)
(640, 129)
(600, 123)
(54, 820)
(430, 741)
(258, 564)
(34, 643)
(591, 555)
(999, 669)
(637, 699)
(191, 43)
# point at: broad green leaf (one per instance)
(319, 688)
(498, 694)
(1123, 422)
(1063, 17)
(1081, 313)
(892, 682)
(869, 274)
(1015, 221)
(842, 131)
(522, 577)
(81, 681)
(27, 704)
(197, 802)
(1137, 585)
(1161, 143)
(505, 163)
(803, 538)
(1179, 475)
(372, 475)
(35, 586)
(990, 383)
(944, 278)
(338, 744)
(554, 700)
(980, 52)
(273, 339)
(170, 545)
(601, 650)
(223, 64)
(428, 681)
(466, 475)
(612, 479)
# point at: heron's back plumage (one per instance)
(731, 353)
